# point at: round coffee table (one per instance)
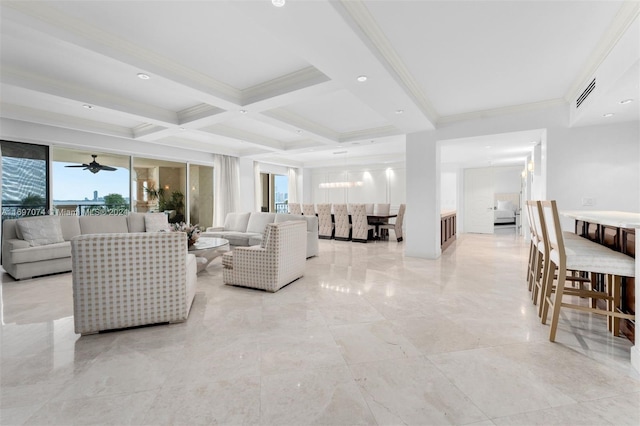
(208, 248)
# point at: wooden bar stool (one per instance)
(579, 254)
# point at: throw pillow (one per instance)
(156, 222)
(40, 230)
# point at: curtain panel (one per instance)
(226, 187)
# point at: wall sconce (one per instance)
(530, 166)
(524, 173)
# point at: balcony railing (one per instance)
(282, 208)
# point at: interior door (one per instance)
(478, 201)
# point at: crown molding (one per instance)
(375, 38)
(298, 122)
(496, 112)
(628, 13)
(79, 33)
(62, 90)
(54, 119)
(242, 135)
(291, 82)
(373, 133)
(198, 112)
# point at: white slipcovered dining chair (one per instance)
(294, 208)
(397, 225)
(342, 225)
(360, 225)
(325, 222)
(580, 254)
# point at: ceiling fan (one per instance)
(94, 166)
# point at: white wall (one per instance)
(382, 183)
(448, 190)
(507, 179)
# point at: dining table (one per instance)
(377, 220)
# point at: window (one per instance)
(24, 179)
(275, 193)
(78, 191)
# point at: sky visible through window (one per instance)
(80, 184)
(282, 188)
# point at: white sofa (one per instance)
(277, 261)
(40, 245)
(247, 229)
(129, 279)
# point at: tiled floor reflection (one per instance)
(367, 336)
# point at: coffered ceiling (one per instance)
(280, 84)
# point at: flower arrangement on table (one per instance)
(192, 231)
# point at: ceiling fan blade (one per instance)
(79, 165)
(108, 168)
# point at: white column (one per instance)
(423, 196)
(635, 350)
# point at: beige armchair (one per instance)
(125, 280)
(279, 260)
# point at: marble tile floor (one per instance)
(367, 336)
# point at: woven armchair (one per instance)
(125, 280)
(279, 260)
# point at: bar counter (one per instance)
(616, 230)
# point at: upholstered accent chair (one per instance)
(279, 260)
(294, 208)
(397, 225)
(124, 280)
(308, 210)
(325, 222)
(361, 227)
(342, 225)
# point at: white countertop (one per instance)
(610, 218)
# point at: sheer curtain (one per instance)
(258, 186)
(293, 185)
(226, 187)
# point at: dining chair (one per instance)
(369, 208)
(397, 225)
(580, 254)
(342, 225)
(294, 208)
(360, 225)
(381, 209)
(308, 210)
(325, 223)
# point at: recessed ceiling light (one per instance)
(181, 128)
(372, 141)
(399, 111)
(299, 132)
(626, 101)
(243, 111)
(278, 3)
(488, 146)
(361, 78)
(607, 115)
(143, 76)
(355, 143)
(87, 106)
